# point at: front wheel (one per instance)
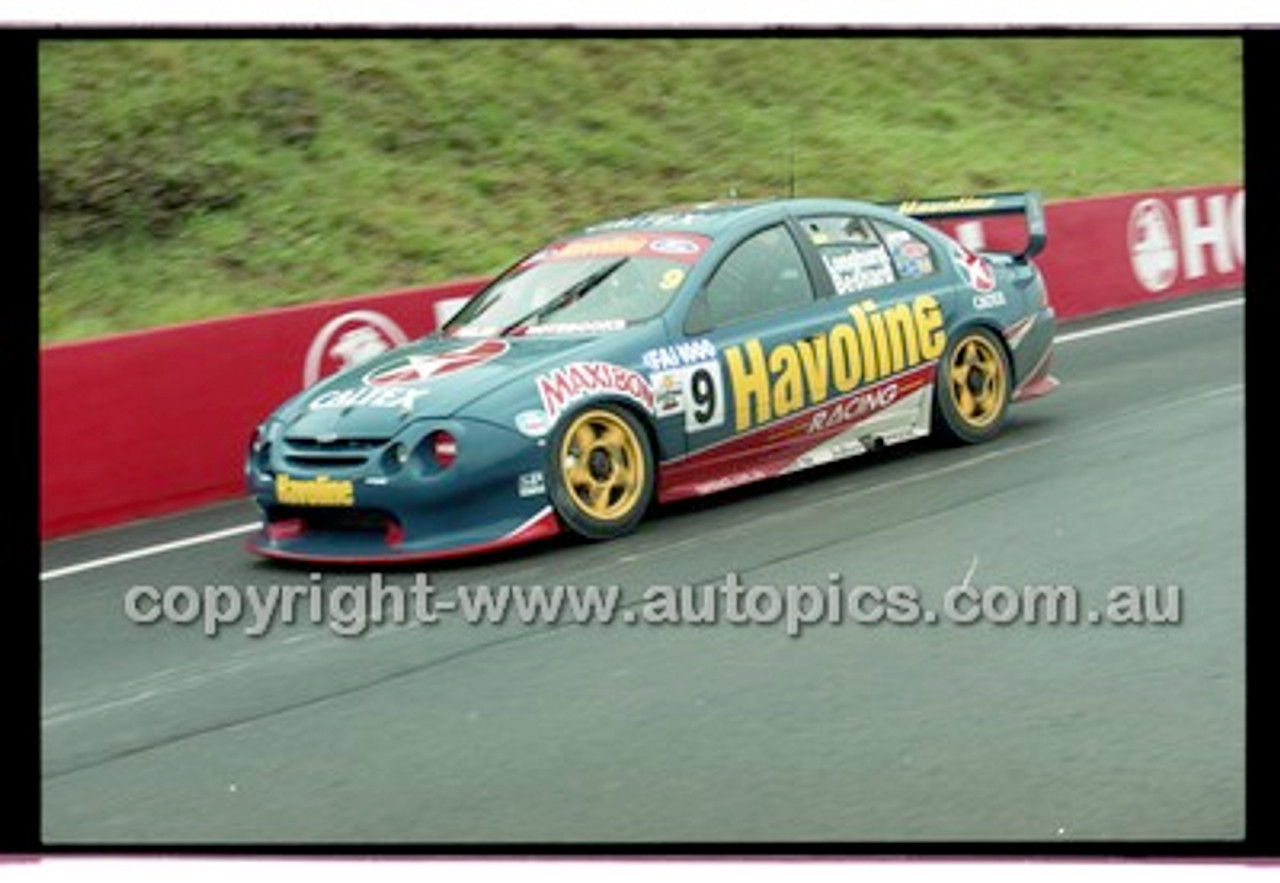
(972, 388)
(602, 472)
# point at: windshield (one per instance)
(590, 285)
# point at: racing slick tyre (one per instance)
(602, 472)
(973, 388)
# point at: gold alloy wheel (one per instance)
(603, 464)
(976, 377)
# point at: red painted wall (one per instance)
(1121, 251)
(153, 422)
(156, 421)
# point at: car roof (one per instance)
(718, 217)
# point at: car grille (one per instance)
(313, 453)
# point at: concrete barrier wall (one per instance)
(153, 422)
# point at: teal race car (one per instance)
(656, 357)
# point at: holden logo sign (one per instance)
(1199, 236)
(1151, 245)
(350, 339)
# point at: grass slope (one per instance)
(188, 178)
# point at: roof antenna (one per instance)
(791, 161)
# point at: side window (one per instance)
(763, 274)
(912, 256)
(853, 254)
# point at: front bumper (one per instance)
(353, 501)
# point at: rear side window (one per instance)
(861, 254)
(912, 256)
(851, 250)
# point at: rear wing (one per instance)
(1026, 204)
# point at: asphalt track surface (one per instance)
(730, 734)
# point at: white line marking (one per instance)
(53, 720)
(967, 582)
(147, 551)
(66, 712)
(239, 529)
(1126, 324)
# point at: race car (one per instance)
(661, 356)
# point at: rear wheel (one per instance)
(972, 393)
(602, 472)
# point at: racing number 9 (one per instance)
(702, 394)
(704, 402)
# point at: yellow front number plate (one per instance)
(321, 491)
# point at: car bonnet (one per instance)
(432, 377)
